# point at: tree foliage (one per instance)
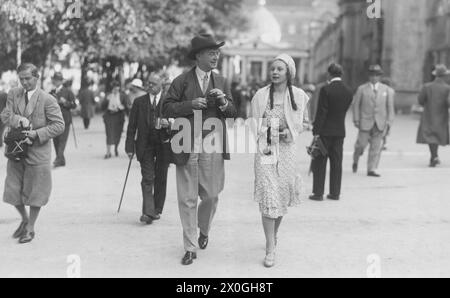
(153, 32)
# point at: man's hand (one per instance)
(130, 155)
(31, 136)
(24, 122)
(199, 103)
(220, 95)
(164, 123)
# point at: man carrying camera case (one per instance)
(28, 177)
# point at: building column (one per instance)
(264, 69)
(244, 70)
(301, 70)
(231, 67)
(225, 70)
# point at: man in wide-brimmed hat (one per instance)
(198, 95)
(434, 127)
(66, 101)
(373, 114)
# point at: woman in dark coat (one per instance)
(115, 106)
(434, 126)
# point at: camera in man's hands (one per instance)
(213, 98)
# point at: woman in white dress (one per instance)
(282, 114)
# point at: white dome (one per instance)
(264, 25)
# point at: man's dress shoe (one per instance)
(355, 167)
(156, 217)
(334, 198)
(146, 219)
(20, 230)
(203, 241)
(189, 258)
(316, 198)
(27, 237)
(373, 174)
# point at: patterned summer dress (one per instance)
(277, 185)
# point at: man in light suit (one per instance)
(200, 173)
(373, 115)
(28, 182)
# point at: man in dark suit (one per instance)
(334, 101)
(66, 101)
(3, 98)
(152, 147)
(201, 100)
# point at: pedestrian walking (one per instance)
(116, 107)
(86, 96)
(66, 101)
(388, 82)
(373, 115)
(434, 127)
(152, 147)
(334, 101)
(136, 90)
(277, 179)
(28, 181)
(3, 98)
(202, 92)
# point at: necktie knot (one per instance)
(205, 82)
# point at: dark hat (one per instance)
(203, 42)
(58, 77)
(376, 70)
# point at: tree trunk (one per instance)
(19, 45)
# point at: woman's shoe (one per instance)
(269, 260)
(116, 151)
(27, 237)
(108, 156)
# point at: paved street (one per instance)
(402, 218)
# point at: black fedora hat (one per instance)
(58, 76)
(203, 42)
(376, 70)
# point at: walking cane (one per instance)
(125, 184)
(74, 136)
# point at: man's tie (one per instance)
(205, 83)
(154, 103)
(26, 98)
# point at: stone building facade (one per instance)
(399, 41)
(276, 26)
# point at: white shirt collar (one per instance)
(376, 86)
(158, 97)
(335, 79)
(201, 74)
(31, 93)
